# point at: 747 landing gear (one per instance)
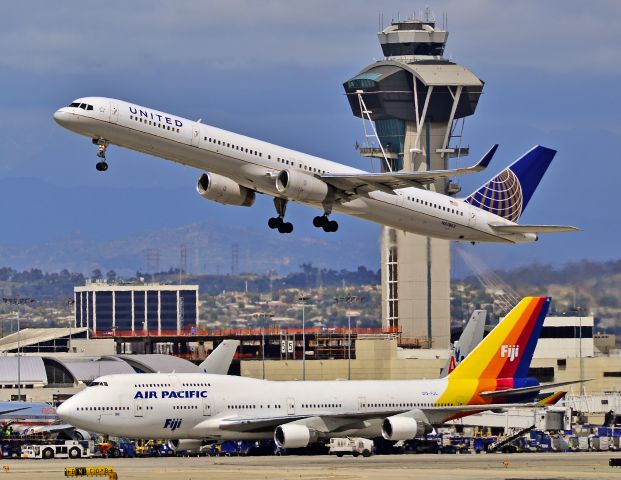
(322, 221)
(279, 221)
(102, 145)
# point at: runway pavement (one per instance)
(572, 466)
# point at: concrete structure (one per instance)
(556, 359)
(109, 307)
(413, 100)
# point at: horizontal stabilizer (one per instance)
(534, 389)
(388, 182)
(500, 228)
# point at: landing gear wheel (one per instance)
(331, 226)
(286, 227)
(319, 221)
(101, 166)
(274, 222)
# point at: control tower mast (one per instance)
(414, 99)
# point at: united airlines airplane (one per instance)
(295, 413)
(237, 167)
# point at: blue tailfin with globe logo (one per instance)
(508, 193)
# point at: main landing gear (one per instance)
(102, 145)
(279, 221)
(322, 221)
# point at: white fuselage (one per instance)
(255, 164)
(142, 406)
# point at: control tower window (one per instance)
(402, 49)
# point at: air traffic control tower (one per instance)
(412, 104)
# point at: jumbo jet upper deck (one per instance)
(236, 167)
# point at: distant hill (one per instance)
(208, 250)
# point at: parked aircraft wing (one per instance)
(334, 421)
(11, 410)
(533, 228)
(388, 182)
(219, 361)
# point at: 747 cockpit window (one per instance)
(98, 384)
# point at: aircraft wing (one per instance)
(333, 421)
(388, 182)
(533, 228)
(536, 388)
(12, 410)
(219, 361)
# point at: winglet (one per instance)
(484, 162)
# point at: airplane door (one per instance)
(290, 406)
(196, 133)
(362, 401)
(207, 407)
(114, 112)
(472, 221)
(138, 408)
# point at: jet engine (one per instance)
(224, 190)
(294, 436)
(185, 444)
(400, 427)
(302, 187)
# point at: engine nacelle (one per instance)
(403, 428)
(302, 187)
(185, 444)
(294, 436)
(224, 190)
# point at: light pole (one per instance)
(303, 299)
(17, 301)
(348, 299)
(263, 316)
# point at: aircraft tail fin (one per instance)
(219, 361)
(471, 336)
(505, 354)
(508, 193)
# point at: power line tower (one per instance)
(153, 260)
(235, 259)
(183, 258)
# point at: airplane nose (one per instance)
(61, 117)
(64, 410)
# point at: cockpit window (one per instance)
(83, 106)
(98, 384)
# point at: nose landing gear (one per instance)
(279, 221)
(322, 221)
(102, 146)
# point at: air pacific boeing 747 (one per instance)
(236, 167)
(194, 407)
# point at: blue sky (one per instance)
(273, 70)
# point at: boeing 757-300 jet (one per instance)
(295, 413)
(236, 167)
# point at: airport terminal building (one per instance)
(136, 307)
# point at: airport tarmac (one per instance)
(390, 467)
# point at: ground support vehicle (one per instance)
(67, 449)
(351, 446)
